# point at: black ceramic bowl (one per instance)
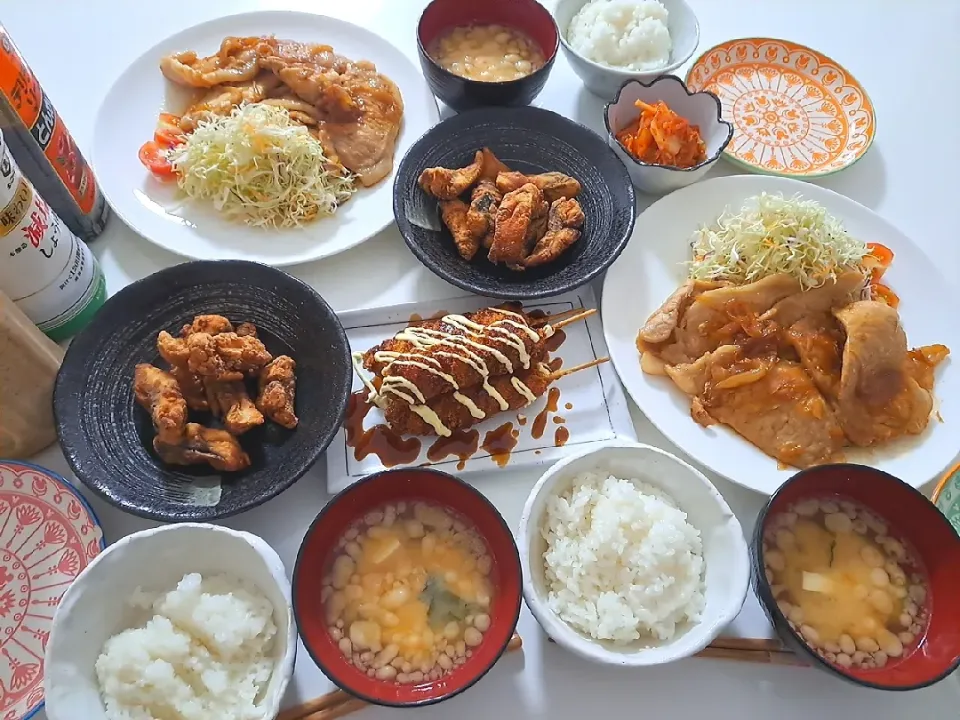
(527, 16)
(107, 438)
(532, 141)
(935, 652)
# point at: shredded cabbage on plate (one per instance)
(771, 234)
(259, 166)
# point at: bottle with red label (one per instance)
(44, 149)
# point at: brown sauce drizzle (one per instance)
(540, 422)
(569, 406)
(462, 444)
(561, 436)
(417, 318)
(555, 364)
(521, 420)
(558, 420)
(553, 343)
(500, 442)
(389, 447)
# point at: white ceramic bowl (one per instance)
(700, 108)
(603, 80)
(725, 551)
(95, 607)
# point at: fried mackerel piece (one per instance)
(230, 402)
(199, 445)
(449, 183)
(278, 390)
(455, 215)
(159, 394)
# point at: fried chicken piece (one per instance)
(210, 324)
(482, 216)
(191, 386)
(553, 185)
(159, 394)
(173, 350)
(455, 215)
(199, 445)
(226, 356)
(563, 230)
(514, 216)
(230, 402)
(246, 329)
(491, 166)
(446, 184)
(278, 388)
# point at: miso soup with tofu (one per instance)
(408, 594)
(854, 592)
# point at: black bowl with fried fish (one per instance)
(482, 163)
(134, 457)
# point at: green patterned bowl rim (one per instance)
(947, 496)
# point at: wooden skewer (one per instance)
(338, 704)
(572, 319)
(577, 368)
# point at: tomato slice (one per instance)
(154, 159)
(168, 119)
(885, 294)
(167, 137)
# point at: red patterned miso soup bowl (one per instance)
(407, 587)
(858, 572)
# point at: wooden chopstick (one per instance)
(756, 650)
(768, 657)
(338, 704)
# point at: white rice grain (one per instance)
(623, 34)
(622, 562)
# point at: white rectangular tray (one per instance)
(599, 410)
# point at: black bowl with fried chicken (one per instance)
(514, 203)
(203, 390)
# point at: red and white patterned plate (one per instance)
(48, 534)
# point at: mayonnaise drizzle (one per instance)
(523, 390)
(505, 331)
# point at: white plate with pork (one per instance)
(756, 410)
(367, 137)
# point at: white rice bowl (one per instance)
(622, 563)
(622, 34)
(203, 653)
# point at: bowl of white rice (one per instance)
(630, 556)
(186, 621)
(608, 42)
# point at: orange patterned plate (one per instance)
(795, 112)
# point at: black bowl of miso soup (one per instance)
(857, 571)
(495, 52)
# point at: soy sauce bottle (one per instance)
(44, 149)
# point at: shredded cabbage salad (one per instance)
(771, 234)
(259, 166)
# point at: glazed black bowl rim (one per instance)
(298, 566)
(544, 69)
(516, 292)
(277, 488)
(772, 610)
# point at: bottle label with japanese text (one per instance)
(45, 269)
(33, 107)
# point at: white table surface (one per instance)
(905, 60)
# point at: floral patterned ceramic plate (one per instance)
(48, 534)
(947, 496)
(795, 112)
